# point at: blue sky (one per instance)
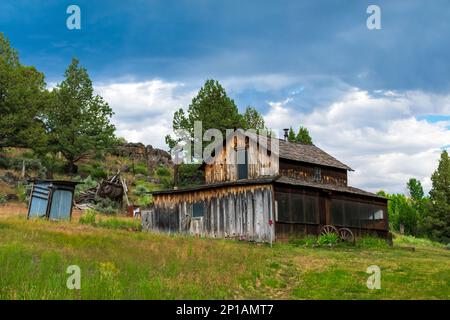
(373, 98)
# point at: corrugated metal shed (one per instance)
(51, 199)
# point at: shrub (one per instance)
(163, 172)
(141, 168)
(107, 206)
(140, 190)
(86, 184)
(99, 173)
(329, 238)
(190, 175)
(144, 199)
(22, 192)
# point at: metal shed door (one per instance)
(39, 201)
(61, 205)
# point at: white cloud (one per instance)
(378, 136)
(144, 110)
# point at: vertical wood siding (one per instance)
(224, 168)
(235, 212)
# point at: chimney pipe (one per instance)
(286, 134)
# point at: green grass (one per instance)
(97, 219)
(119, 264)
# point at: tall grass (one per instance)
(35, 254)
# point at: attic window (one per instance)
(317, 174)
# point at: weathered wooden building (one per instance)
(263, 190)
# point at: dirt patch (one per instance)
(13, 209)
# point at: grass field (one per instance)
(125, 264)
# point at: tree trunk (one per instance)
(71, 167)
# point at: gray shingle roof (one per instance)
(296, 151)
(323, 186)
(309, 154)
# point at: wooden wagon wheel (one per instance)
(346, 235)
(327, 229)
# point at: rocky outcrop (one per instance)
(134, 151)
(154, 157)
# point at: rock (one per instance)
(154, 157)
(134, 151)
(157, 157)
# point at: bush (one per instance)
(2, 199)
(86, 184)
(107, 206)
(140, 190)
(144, 199)
(163, 172)
(22, 192)
(140, 168)
(329, 238)
(98, 174)
(190, 175)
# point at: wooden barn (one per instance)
(265, 190)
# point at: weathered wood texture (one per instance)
(261, 162)
(307, 172)
(233, 212)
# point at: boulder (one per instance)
(157, 157)
(134, 151)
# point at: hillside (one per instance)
(143, 168)
(122, 264)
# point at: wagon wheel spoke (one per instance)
(327, 229)
(346, 235)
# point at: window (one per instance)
(317, 174)
(242, 164)
(378, 215)
(198, 210)
(354, 214)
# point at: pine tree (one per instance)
(79, 121)
(303, 136)
(22, 101)
(291, 135)
(437, 220)
(212, 107)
